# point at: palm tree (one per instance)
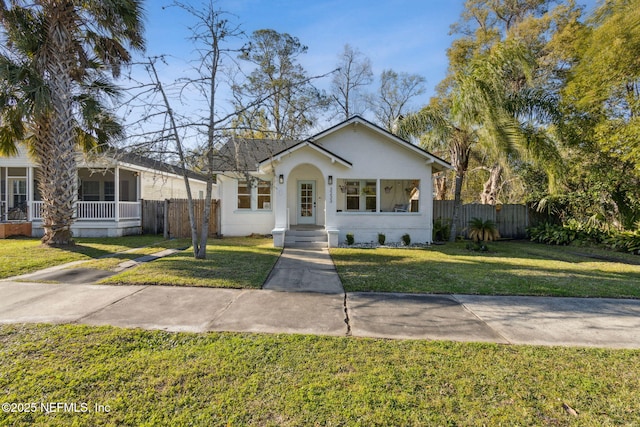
(481, 111)
(52, 70)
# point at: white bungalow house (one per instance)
(354, 177)
(110, 190)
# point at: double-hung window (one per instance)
(254, 195)
(244, 195)
(361, 195)
(264, 195)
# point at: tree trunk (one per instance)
(489, 195)
(460, 151)
(440, 185)
(55, 137)
(457, 204)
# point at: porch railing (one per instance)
(96, 210)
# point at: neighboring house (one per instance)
(354, 177)
(110, 190)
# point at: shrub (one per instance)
(406, 239)
(552, 234)
(381, 238)
(483, 230)
(625, 241)
(441, 230)
(350, 239)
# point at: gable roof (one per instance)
(308, 143)
(241, 155)
(438, 164)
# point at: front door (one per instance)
(306, 202)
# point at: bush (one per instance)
(483, 230)
(406, 239)
(350, 239)
(381, 238)
(553, 234)
(625, 241)
(441, 230)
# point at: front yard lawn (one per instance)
(159, 378)
(26, 255)
(509, 268)
(231, 263)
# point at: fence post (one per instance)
(218, 219)
(166, 219)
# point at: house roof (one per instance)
(240, 155)
(244, 154)
(438, 163)
(308, 143)
(147, 162)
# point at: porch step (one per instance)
(305, 239)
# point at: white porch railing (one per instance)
(96, 210)
(129, 210)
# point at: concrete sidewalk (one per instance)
(509, 320)
(303, 294)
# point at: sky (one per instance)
(404, 35)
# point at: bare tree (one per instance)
(353, 73)
(200, 129)
(394, 94)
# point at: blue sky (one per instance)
(404, 35)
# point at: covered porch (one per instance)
(108, 201)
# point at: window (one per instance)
(399, 195)
(264, 195)
(244, 195)
(19, 192)
(353, 195)
(90, 191)
(369, 193)
(109, 191)
(360, 195)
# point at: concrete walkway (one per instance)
(304, 270)
(328, 310)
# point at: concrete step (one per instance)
(307, 245)
(305, 239)
(306, 233)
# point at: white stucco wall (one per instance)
(242, 222)
(365, 154)
(375, 157)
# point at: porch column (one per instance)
(378, 195)
(4, 203)
(116, 191)
(30, 193)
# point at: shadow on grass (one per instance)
(228, 266)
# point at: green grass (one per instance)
(157, 378)
(230, 263)
(25, 255)
(509, 268)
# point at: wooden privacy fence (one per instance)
(171, 217)
(512, 220)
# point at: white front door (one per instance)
(306, 202)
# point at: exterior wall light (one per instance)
(281, 179)
(330, 180)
